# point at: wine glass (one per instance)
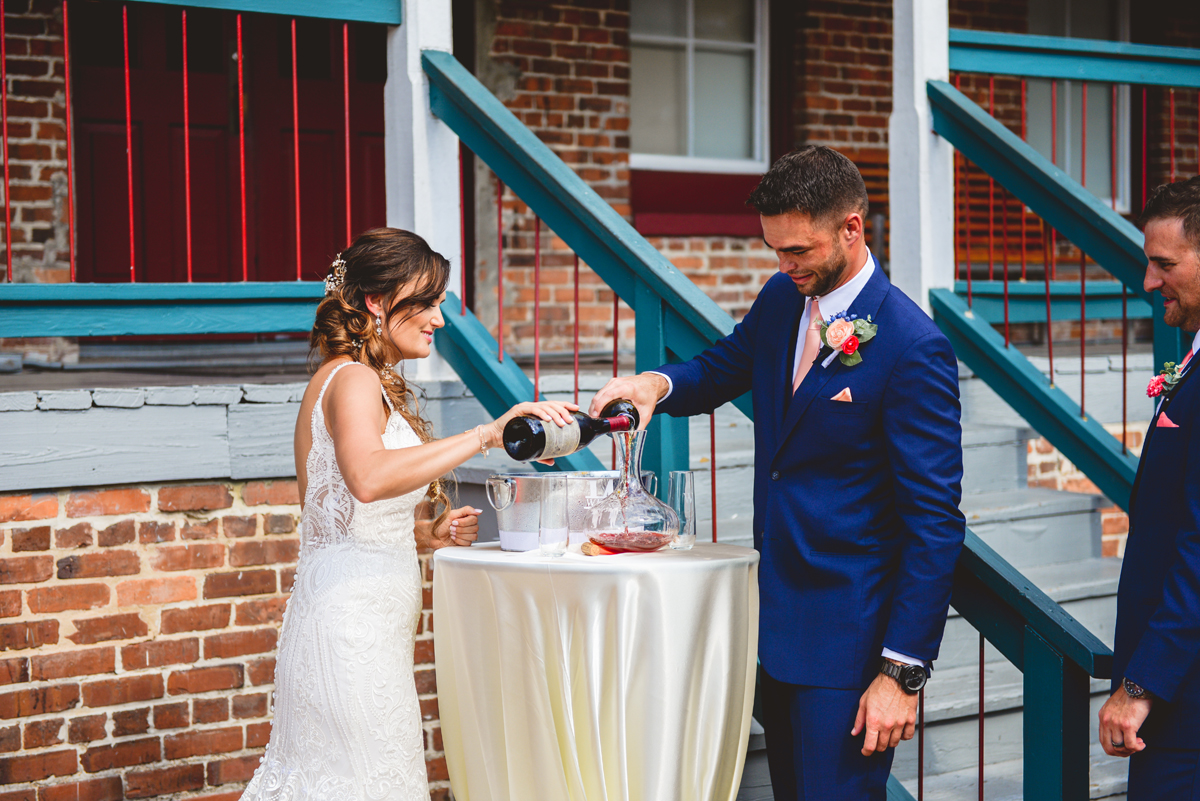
(681, 496)
(553, 531)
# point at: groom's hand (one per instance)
(645, 390)
(887, 713)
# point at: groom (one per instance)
(857, 478)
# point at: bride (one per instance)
(347, 722)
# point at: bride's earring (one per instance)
(378, 327)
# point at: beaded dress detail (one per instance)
(347, 723)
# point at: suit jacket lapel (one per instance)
(1162, 407)
(866, 304)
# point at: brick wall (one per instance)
(139, 626)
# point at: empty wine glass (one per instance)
(681, 496)
(553, 531)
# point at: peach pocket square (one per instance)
(1165, 422)
(844, 395)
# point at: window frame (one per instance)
(760, 103)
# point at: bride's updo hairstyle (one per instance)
(409, 277)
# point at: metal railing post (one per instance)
(1055, 724)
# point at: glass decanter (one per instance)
(631, 519)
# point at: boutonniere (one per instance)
(1165, 381)
(845, 334)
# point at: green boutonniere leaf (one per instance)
(850, 360)
(864, 330)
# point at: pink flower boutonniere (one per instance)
(1165, 381)
(845, 334)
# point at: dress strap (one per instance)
(387, 399)
(317, 407)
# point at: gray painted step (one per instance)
(995, 458)
(1034, 526)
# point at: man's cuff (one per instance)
(888, 653)
(670, 383)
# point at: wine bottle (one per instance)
(531, 438)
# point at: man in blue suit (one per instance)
(857, 478)
(1153, 712)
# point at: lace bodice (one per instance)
(331, 514)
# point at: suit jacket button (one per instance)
(775, 475)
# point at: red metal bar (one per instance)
(346, 114)
(296, 142)
(187, 152)
(1053, 160)
(128, 143)
(921, 746)
(616, 338)
(241, 145)
(1049, 323)
(1024, 138)
(537, 306)
(957, 221)
(1006, 332)
(712, 466)
(462, 220)
(499, 269)
(1124, 368)
(1083, 258)
(4, 122)
(70, 168)
(981, 641)
(575, 347)
(991, 191)
(1172, 134)
(1143, 147)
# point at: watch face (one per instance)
(913, 678)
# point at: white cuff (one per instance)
(670, 383)
(888, 653)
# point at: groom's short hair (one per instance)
(814, 180)
(1180, 199)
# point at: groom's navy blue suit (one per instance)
(855, 514)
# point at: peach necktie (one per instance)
(812, 344)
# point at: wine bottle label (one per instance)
(622, 422)
(560, 440)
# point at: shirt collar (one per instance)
(838, 300)
(1195, 343)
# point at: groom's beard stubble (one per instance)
(828, 276)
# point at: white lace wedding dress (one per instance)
(347, 724)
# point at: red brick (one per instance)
(429, 709)
(108, 502)
(99, 565)
(122, 755)
(86, 729)
(262, 671)
(257, 735)
(204, 741)
(154, 531)
(131, 721)
(200, 531)
(261, 611)
(279, 524)
(39, 701)
(426, 681)
(240, 526)
(194, 498)
(423, 652)
(198, 618)
(105, 789)
(188, 557)
(274, 493)
(164, 781)
(143, 592)
(28, 634)
(240, 643)
(43, 733)
(128, 690)
(37, 767)
(31, 539)
(26, 569)
(171, 716)
(29, 507)
(235, 769)
(117, 534)
(77, 536)
(10, 740)
(243, 582)
(113, 627)
(436, 769)
(157, 653)
(206, 679)
(250, 706)
(62, 597)
(10, 603)
(210, 710)
(263, 552)
(78, 662)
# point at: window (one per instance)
(698, 85)
(1084, 19)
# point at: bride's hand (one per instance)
(461, 527)
(558, 412)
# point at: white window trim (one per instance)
(755, 166)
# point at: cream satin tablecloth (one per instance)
(596, 678)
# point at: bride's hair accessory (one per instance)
(386, 373)
(337, 275)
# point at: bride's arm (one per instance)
(355, 416)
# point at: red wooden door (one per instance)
(159, 197)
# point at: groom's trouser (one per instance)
(810, 752)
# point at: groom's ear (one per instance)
(851, 229)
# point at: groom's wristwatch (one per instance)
(911, 677)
